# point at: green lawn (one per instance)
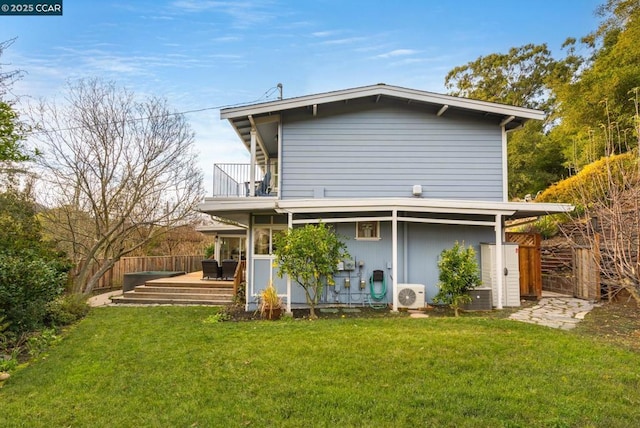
(166, 367)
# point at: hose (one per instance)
(383, 293)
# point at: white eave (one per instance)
(507, 209)
(378, 90)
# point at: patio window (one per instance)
(263, 240)
(368, 230)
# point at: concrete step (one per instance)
(166, 301)
(183, 290)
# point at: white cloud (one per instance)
(324, 33)
(397, 52)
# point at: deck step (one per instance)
(166, 301)
(183, 290)
(202, 283)
(181, 296)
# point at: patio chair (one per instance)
(264, 187)
(229, 269)
(210, 269)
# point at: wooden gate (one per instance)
(529, 260)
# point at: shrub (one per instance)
(39, 342)
(67, 309)
(209, 251)
(459, 273)
(27, 285)
(589, 183)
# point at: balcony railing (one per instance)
(233, 180)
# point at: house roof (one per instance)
(383, 90)
(265, 116)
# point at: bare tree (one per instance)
(607, 194)
(118, 173)
(7, 77)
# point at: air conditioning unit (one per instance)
(411, 296)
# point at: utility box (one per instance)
(480, 300)
(510, 271)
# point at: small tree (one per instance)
(310, 256)
(459, 273)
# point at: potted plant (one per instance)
(270, 303)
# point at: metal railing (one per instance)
(232, 180)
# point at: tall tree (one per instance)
(120, 171)
(516, 78)
(602, 90)
(12, 130)
(521, 77)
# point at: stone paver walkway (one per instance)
(555, 312)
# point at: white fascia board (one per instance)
(231, 205)
(374, 90)
(413, 204)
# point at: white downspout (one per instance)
(290, 225)
(394, 258)
(499, 277)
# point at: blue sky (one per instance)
(201, 54)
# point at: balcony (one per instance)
(233, 180)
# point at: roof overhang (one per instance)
(219, 228)
(240, 209)
(237, 210)
(265, 116)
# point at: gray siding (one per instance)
(382, 150)
(426, 242)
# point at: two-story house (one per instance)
(401, 173)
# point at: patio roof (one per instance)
(240, 208)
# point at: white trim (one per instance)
(499, 260)
(507, 120)
(252, 170)
(377, 236)
(505, 167)
(331, 205)
(394, 259)
(442, 110)
(290, 226)
(340, 220)
(383, 90)
(279, 183)
(445, 221)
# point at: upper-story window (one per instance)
(368, 230)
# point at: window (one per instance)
(231, 248)
(368, 230)
(264, 240)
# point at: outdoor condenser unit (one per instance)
(481, 300)
(411, 296)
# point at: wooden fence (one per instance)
(571, 269)
(113, 277)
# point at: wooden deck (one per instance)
(193, 279)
